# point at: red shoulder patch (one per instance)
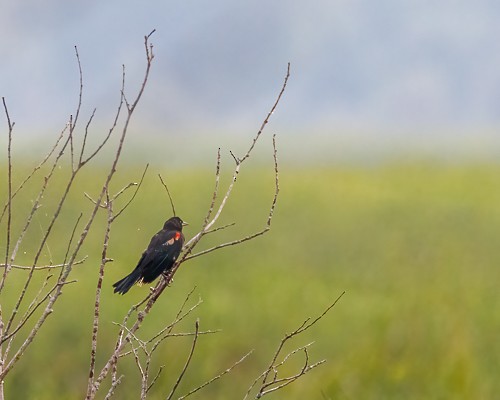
(177, 235)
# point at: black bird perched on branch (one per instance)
(159, 257)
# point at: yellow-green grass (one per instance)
(415, 247)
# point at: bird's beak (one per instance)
(184, 223)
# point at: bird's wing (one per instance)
(162, 255)
(159, 244)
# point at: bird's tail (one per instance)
(123, 285)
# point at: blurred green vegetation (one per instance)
(415, 246)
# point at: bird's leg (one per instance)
(166, 276)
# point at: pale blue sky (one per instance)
(360, 65)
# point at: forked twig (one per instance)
(137, 187)
(220, 375)
(35, 169)
(269, 385)
(255, 234)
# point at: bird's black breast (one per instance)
(161, 254)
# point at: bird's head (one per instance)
(174, 224)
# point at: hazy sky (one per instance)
(356, 64)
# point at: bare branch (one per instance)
(104, 260)
(182, 334)
(188, 361)
(28, 314)
(30, 310)
(215, 192)
(73, 123)
(286, 381)
(113, 387)
(137, 187)
(144, 377)
(42, 267)
(97, 302)
(275, 383)
(178, 318)
(46, 233)
(266, 120)
(35, 169)
(220, 228)
(80, 92)
(9, 198)
(236, 159)
(168, 192)
(113, 126)
(82, 150)
(303, 327)
(34, 209)
(217, 376)
(9, 194)
(231, 243)
(155, 378)
(269, 218)
(314, 321)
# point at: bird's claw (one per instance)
(167, 278)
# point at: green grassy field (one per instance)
(415, 247)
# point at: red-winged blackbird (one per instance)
(159, 257)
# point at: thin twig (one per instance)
(155, 378)
(113, 126)
(45, 236)
(231, 243)
(220, 228)
(266, 120)
(35, 169)
(97, 302)
(42, 267)
(178, 318)
(9, 335)
(268, 386)
(168, 192)
(137, 187)
(291, 379)
(29, 219)
(188, 361)
(113, 387)
(82, 150)
(303, 327)
(9, 194)
(216, 377)
(269, 217)
(80, 92)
